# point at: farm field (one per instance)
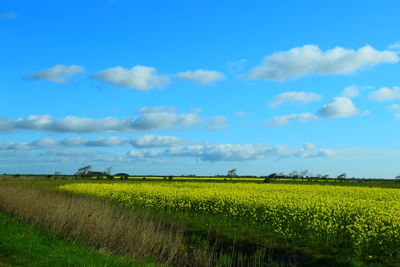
(366, 218)
(282, 223)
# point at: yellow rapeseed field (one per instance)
(366, 219)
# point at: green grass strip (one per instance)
(24, 245)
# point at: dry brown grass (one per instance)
(99, 224)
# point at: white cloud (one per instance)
(144, 141)
(325, 153)
(350, 91)
(301, 97)
(308, 146)
(138, 77)
(156, 109)
(8, 15)
(59, 151)
(218, 123)
(156, 141)
(309, 59)
(339, 107)
(386, 93)
(234, 152)
(58, 73)
(69, 142)
(163, 120)
(395, 108)
(105, 142)
(229, 152)
(144, 153)
(286, 119)
(44, 143)
(145, 122)
(200, 76)
(395, 47)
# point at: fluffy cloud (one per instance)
(144, 141)
(156, 141)
(58, 73)
(386, 93)
(200, 76)
(146, 153)
(286, 119)
(56, 151)
(138, 77)
(339, 107)
(350, 91)
(163, 120)
(395, 108)
(217, 123)
(234, 152)
(309, 59)
(301, 97)
(395, 47)
(156, 109)
(149, 121)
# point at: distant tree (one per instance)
(294, 175)
(107, 172)
(232, 173)
(342, 177)
(397, 178)
(270, 177)
(84, 171)
(280, 175)
(303, 174)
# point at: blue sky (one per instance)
(200, 87)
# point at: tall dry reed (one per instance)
(99, 224)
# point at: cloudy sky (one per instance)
(200, 87)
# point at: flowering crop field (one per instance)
(362, 218)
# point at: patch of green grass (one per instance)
(24, 245)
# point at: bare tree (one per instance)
(84, 171)
(294, 175)
(232, 173)
(107, 172)
(303, 174)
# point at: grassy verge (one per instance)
(97, 224)
(25, 245)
